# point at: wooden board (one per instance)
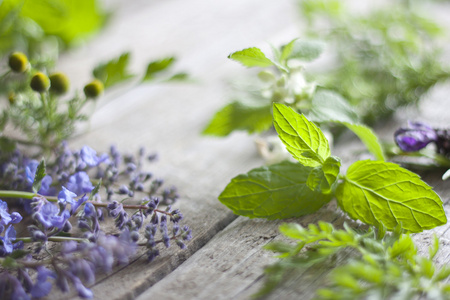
(225, 259)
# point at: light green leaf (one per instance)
(251, 57)
(368, 137)
(68, 19)
(446, 175)
(302, 49)
(273, 192)
(323, 177)
(114, 71)
(378, 192)
(303, 139)
(330, 106)
(157, 66)
(239, 116)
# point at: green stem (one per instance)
(17, 194)
(54, 239)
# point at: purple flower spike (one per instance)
(79, 183)
(49, 216)
(90, 158)
(415, 137)
(42, 286)
(7, 218)
(6, 241)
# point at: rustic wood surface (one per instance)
(225, 259)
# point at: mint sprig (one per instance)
(379, 267)
(377, 193)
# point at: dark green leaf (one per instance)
(378, 192)
(114, 71)
(157, 66)
(7, 145)
(40, 174)
(323, 177)
(273, 192)
(9, 262)
(19, 254)
(251, 57)
(238, 116)
(329, 106)
(303, 139)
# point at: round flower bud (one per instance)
(12, 98)
(18, 62)
(59, 83)
(93, 89)
(40, 82)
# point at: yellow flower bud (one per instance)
(18, 62)
(40, 82)
(59, 83)
(12, 98)
(93, 89)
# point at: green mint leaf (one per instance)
(273, 192)
(239, 116)
(157, 66)
(40, 174)
(323, 177)
(303, 139)
(368, 137)
(251, 57)
(114, 71)
(330, 106)
(383, 193)
(305, 50)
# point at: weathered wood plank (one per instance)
(169, 119)
(222, 261)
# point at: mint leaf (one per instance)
(273, 192)
(368, 137)
(40, 174)
(303, 139)
(157, 66)
(383, 193)
(238, 116)
(330, 106)
(114, 71)
(251, 57)
(323, 177)
(302, 49)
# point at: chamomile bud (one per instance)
(93, 89)
(40, 82)
(12, 98)
(18, 62)
(59, 83)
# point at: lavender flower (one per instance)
(49, 216)
(415, 137)
(79, 183)
(6, 242)
(5, 217)
(42, 287)
(90, 158)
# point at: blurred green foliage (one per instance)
(42, 28)
(383, 59)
